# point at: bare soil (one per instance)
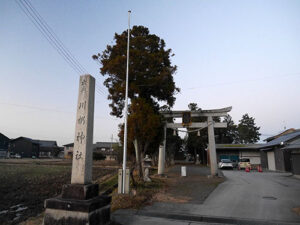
(194, 188)
(24, 187)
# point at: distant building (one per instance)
(282, 153)
(105, 148)
(68, 151)
(4, 141)
(294, 148)
(235, 152)
(288, 131)
(48, 148)
(27, 148)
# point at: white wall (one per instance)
(253, 156)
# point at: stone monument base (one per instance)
(78, 205)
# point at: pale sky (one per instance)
(244, 54)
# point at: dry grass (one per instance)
(140, 196)
(38, 220)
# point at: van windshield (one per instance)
(245, 160)
(225, 161)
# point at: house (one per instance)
(68, 151)
(4, 141)
(282, 153)
(235, 152)
(27, 147)
(294, 148)
(47, 148)
(105, 148)
(288, 131)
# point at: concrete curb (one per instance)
(296, 176)
(202, 218)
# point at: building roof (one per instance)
(69, 145)
(25, 138)
(103, 144)
(293, 145)
(2, 135)
(281, 140)
(238, 146)
(42, 143)
(97, 144)
(288, 131)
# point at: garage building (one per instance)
(235, 152)
(282, 153)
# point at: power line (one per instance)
(57, 42)
(52, 38)
(49, 29)
(37, 25)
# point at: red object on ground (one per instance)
(247, 169)
(259, 169)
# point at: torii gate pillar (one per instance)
(162, 154)
(212, 147)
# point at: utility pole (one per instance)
(111, 142)
(126, 110)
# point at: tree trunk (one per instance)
(172, 160)
(138, 159)
(131, 175)
(135, 143)
(195, 156)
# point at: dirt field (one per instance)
(25, 185)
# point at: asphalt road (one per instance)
(265, 196)
(268, 198)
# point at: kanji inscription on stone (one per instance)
(83, 143)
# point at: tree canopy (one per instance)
(150, 69)
(248, 132)
(196, 144)
(229, 134)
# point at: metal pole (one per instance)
(126, 110)
(112, 139)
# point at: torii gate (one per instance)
(211, 135)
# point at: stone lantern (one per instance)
(197, 159)
(147, 164)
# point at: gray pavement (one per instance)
(130, 219)
(265, 196)
(244, 198)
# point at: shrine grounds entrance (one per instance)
(187, 123)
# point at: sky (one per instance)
(244, 54)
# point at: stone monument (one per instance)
(79, 202)
(147, 165)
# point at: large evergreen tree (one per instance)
(229, 134)
(150, 84)
(248, 132)
(195, 145)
